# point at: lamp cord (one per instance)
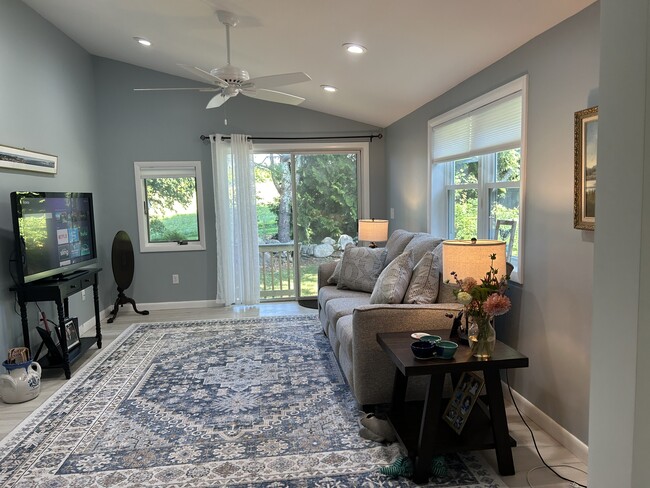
(575, 483)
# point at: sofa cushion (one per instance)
(328, 293)
(360, 268)
(339, 307)
(396, 243)
(446, 292)
(344, 335)
(393, 280)
(420, 244)
(425, 279)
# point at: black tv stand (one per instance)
(58, 290)
(68, 276)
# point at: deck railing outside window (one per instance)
(276, 271)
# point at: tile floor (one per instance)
(525, 457)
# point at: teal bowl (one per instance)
(445, 349)
(431, 338)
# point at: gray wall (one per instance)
(620, 391)
(147, 126)
(550, 320)
(56, 98)
(46, 105)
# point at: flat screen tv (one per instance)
(54, 233)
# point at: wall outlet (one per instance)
(392, 213)
(175, 280)
(83, 295)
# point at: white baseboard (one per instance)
(90, 323)
(103, 314)
(187, 304)
(551, 427)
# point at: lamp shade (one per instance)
(472, 258)
(373, 230)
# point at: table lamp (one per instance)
(373, 230)
(472, 258)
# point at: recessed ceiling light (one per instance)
(329, 88)
(143, 41)
(354, 48)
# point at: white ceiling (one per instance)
(417, 49)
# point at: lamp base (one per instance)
(372, 245)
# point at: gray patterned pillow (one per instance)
(425, 280)
(396, 243)
(360, 268)
(421, 243)
(334, 279)
(393, 280)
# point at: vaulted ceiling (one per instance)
(416, 49)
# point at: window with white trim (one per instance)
(170, 205)
(477, 170)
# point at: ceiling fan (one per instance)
(230, 81)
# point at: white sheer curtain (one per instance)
(238, 279)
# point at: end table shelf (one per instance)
(476, 435)
(58, 290)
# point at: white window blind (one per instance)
(490, 128)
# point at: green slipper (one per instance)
(401, 467)
(439, 466)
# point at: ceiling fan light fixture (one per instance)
(353, 48)
(143, 41)
(329, 88)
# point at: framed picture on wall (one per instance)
(14, 158)
(584, 171)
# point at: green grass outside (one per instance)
(177, 227)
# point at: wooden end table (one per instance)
(419, 425)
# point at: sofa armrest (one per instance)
(373, 371)
(325, 270)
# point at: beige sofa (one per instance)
(352, 323)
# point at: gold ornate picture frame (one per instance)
(584, 171)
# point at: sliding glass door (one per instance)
(307, 205)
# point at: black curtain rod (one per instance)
(319, 138)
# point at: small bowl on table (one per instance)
(423, 349)
(445, 349)
(431, 338)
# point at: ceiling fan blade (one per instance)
(177, 89)
(217, 100)
(205, 75)
(277, 80)
(273, 96)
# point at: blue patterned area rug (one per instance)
(241, 402)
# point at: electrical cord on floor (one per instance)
(574, 483)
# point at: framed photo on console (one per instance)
(72, 333)
(462, 400)
(584, 172)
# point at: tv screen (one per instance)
(54, 232)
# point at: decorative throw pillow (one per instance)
(360, 268)
(421, 243)
(396, 243)
(393, 280)
(425, 280)
(334, 279)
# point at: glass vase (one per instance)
(482, 336)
